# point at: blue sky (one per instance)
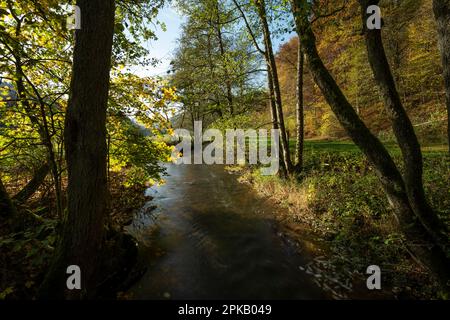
(163, 48)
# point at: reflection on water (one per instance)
(218, 241)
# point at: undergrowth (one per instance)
(339, 196)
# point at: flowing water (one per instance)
(218, 241)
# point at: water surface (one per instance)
(218, 241)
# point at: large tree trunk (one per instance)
(7, 208)
(441, 10)
(85, 137)
(271, 63)
(300, 110)
(31, 187)
(403, 129)
(419, 239)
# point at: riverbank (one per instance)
(339, 199)
(26, 249)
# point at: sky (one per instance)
(163, 48)
(165, 45)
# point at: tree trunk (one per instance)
(403, 130)
(7, 207)
(271, 63)
(85, 136)
(419, 239)
(300, 110)
(275, 123)
(441, 10)
(272, 100)
(229, 93)
(31, 187)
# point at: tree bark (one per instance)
(85, 136)
(300, 111)
(272, 100)
(420, 243)
(271, 63)
(441, 10)
(7, 207)
(275, 123)
(403, 130)
(31, 187)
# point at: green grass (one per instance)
(340, 197)
(329, 146)
(312, 146)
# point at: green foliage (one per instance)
(340, 197)
(36, 51)
(139, 112)
(37, 241)
(27, 253)
(135, 23)
(136, 152)
(214, 65)
(234, 122)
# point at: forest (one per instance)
(93, 207)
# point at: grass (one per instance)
(340, 198)
(328, 146)
(348, 146)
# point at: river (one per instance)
(217, 240)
